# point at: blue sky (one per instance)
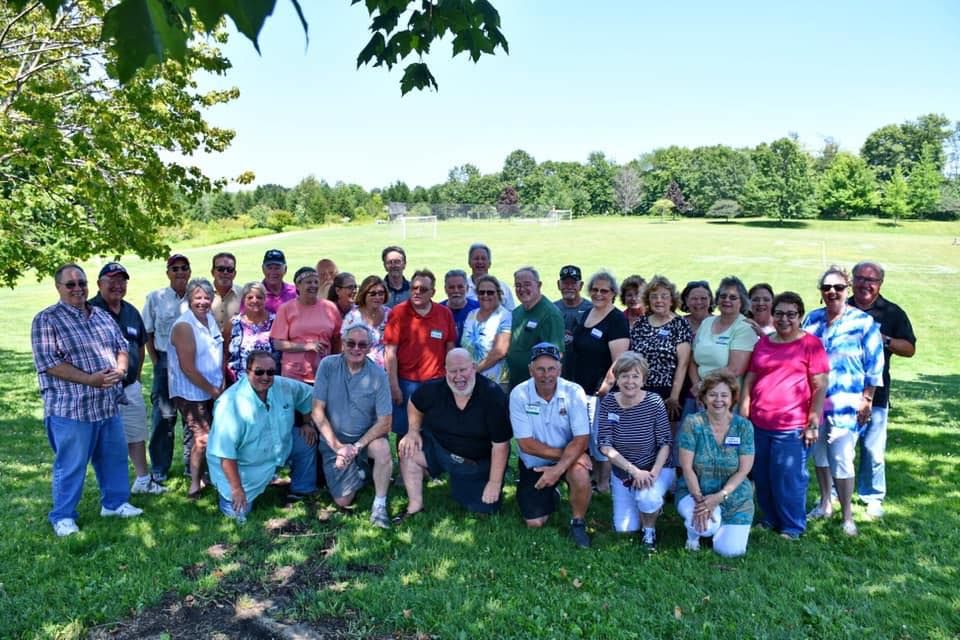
(618, 77)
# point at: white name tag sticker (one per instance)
(732, 441)
(436, 334)
(531, 324)
(533, 409)
(612, 417)
(132, 332)
(664, 333)
(596, 333)
(723, 339)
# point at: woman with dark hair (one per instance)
(696, 300)
(371, 310)
(631, 297)
(761, 306)
(342, 292)
(783, 395)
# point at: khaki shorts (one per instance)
(134, 414)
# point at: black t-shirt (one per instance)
(894, 323)
(131, 326)
(468, 432)
(588, 358)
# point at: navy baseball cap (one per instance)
(274, 256)
(112, 269)
(545, 349)
(571, 271)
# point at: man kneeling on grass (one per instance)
(253, 435)
(549, 419)
(353, 410)
(458, 426)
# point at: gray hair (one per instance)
(834, 269)
(603, 274)
(530, 270)
(199, 283)
(62, 268)
(250, 286)
(736, 283)
(628, 361)
(358, 324)
(455, 273)
(479, 245)
(873, 265)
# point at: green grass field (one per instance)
(454, 575)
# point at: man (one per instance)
(535, 320)
(352, 411)
(571, 304)
(253, 437)
(327, 271)
(478, 257)
(160, 311)
(416, 340)
(458, 426)
(549, 419)
(898, 339)
(81, 360)
(226, 297)
(398, 288)
(278, 291)
(455, 286)
(112, 286)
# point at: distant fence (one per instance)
(532, 212)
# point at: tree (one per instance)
(724, 209)
(507, 202)
(627, 189)
(83, 168)
(675, 195)
(517, 167)
(397, 192)
(714, 173)
(598, 183)
(903, 144)
(923, 185)
(782, 185)
(847, 187)
(894, 202)
(662, 207)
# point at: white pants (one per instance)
(729, 540)
(629, 503)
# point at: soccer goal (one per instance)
(417, 226)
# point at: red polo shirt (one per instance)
(421, 340)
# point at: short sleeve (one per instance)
(685, 437)
(391, 333)
(321, 383)
(148, 312)
(817, 359)
(505, 321)
(44, 340)
(746, 436)
(227, 438)
(384, 403)
(742, 336)
(302, 395)
(498, 420)
(554, 331)
(519, 419)
(682, 332)
(281, 324)
(579, 416)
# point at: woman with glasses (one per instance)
(250, 331)
(486, 331)
(306, 329)
(372, 311)
(783, 395)
(723, 342)
(599, 338)
(342, 292)
(854, 348)
(761, 305)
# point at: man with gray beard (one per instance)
(459, 426)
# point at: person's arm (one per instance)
(900, 346)
(297, 347)
(319, 416)
(412, 442)
(152, 350)
(818, 389)
(501, 343)
(237, 495)
(674, 404)
(140, 358)
(748, 381)
(737, 362)
(693, 372)
(499, 453)
(714, 500)
(390, 362)
(182, 340)
(617, 348)
(99, 379)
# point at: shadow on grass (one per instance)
(775, 224)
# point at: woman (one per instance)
(599, 338)
(486, 331)
(373, 312)
(663, 339)
(696, 300)
(631, 297)
(783, 394)
(761, 304)
(715, 446)
(306, 329)
(854, 348)
(196, 372)
(723, 342)
(342, 292)
(250, 331)
(634, 433)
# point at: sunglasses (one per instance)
(352, 344)
(728, 296)
(265, 372)
(74, 284)
(176, 269)
(378, 293)
(825, 288)
(486, 292)
(225, 269)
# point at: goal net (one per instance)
(417, 226)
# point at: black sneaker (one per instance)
(650, 540)
(578, 531)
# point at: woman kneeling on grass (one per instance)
(715, 448)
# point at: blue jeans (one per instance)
(872, 475)
(407, 387)
(226, 508)
(781, 477)
(303, 465)
(76, 443)
(164, 418)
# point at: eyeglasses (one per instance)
(265, 372)
(789, 315)
(377, 292)
(728, 296)
(75, 284)
(353, 344)
(825, 288)
(862, 279)
(222, 269)
(486, 292)
(598, 290)
(176, 269)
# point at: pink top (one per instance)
(301, 322)
(781, 394)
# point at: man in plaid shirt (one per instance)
(81, 359)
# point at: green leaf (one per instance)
(144, 33)
(248, 15)
(374, 49)
(417, 76)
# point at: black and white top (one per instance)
(636, 433)
(659, 346)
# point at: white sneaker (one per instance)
(65, 527)
(875, 509)
(693, 545)
(850, 529)
(149, 486)
(126, 510)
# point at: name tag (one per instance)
(436, 334)
(731, 441)
(132, 332)
(531, 324)
(596, 333)
(533, 409)
(722, 339)
(612, 417)
(664, 333)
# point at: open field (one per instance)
(454, 575)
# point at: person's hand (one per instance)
(703, 512)
(396, 395)
(345, 455)
(491, 492)
(865, 412)
(812, 432)
(674, 408)
(239, 499)
(641, 479)
(756, 327)
(106, 378)
(410, 444)
(550, 476)
(309, 433)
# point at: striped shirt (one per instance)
(855, 350)
(636, 433)
(64, 334)
(160, 311)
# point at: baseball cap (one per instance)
(545, 349)
(113, 268)
(274, 256)
(571, 271)
(175, 257)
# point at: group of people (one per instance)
(718, 410)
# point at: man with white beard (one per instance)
(459, 426)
